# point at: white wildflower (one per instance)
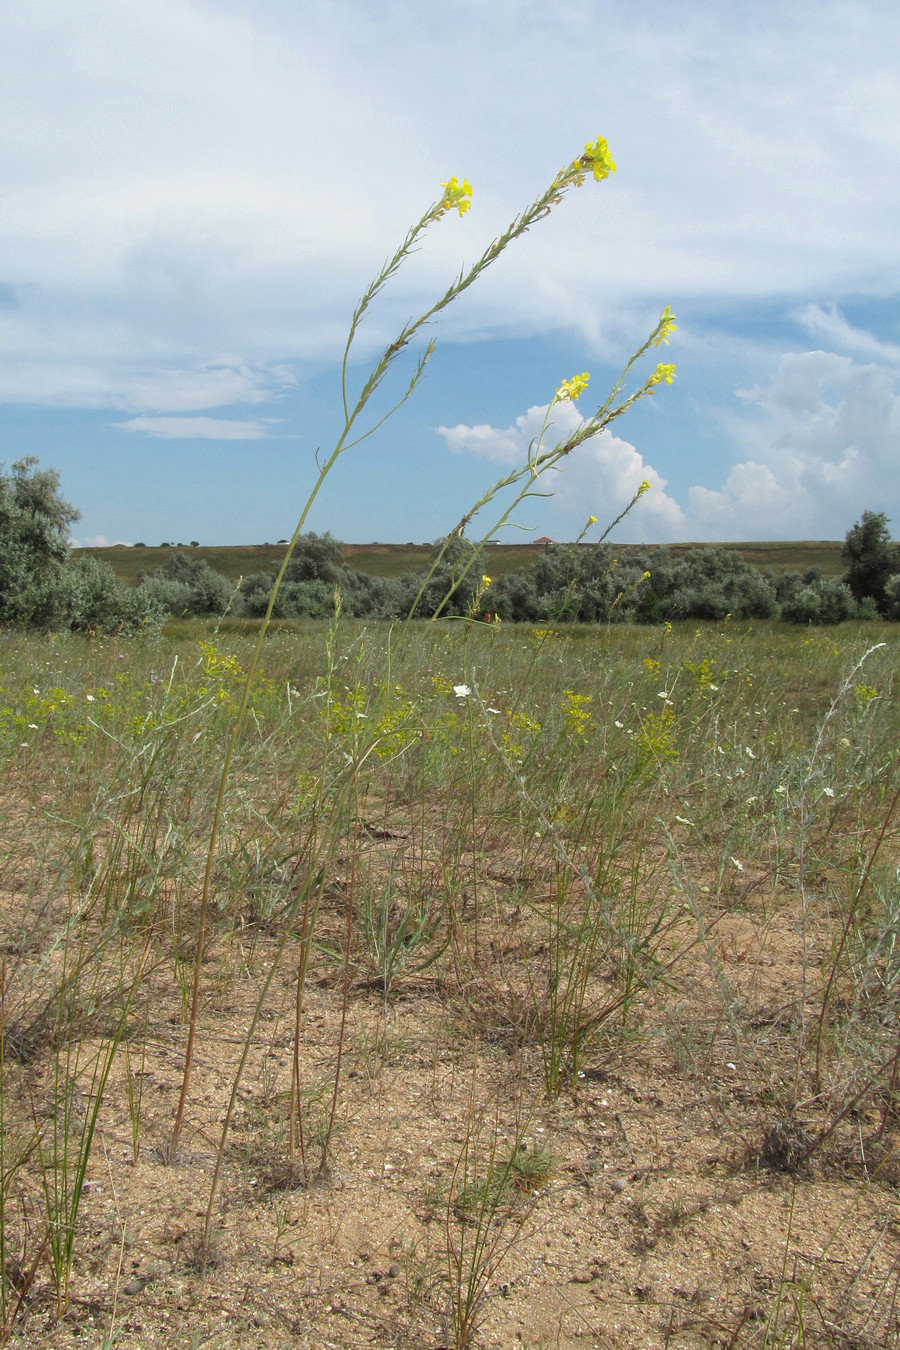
(461, 690)
(828, 792)
(738, 865)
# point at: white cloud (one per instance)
(828, 322)
(825, 442)
(203, 174)
(510, 445)
(196, 428)
(817, 444)
(602, 477)
(599, 478)
(99, 541)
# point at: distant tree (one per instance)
(872, 558)
(34, 536)
(41, 585)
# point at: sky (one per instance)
(194, 193)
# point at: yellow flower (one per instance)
(645, 487)
(592, 520)
(485, 581)
(456, 194)
(597, 157)
(662, 374)
(570, 389)
(668, 326)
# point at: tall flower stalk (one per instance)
(524, 480)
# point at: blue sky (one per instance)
(193, 194)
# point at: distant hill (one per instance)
(390, 560)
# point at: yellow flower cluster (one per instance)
(668, 326)
(662, 375)
(576, 711)
(570, 389)
(646, 485)
(596, 159)
(456, 194)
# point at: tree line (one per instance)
(43, 586)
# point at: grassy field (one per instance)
(547, 994)
(389, 560)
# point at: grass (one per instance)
(634, 887)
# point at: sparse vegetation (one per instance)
(677, 906)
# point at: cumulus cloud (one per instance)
(599, 478)
(510, 445)
(817, 443)
(196, 428)
(825, 439)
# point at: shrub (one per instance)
(822, 601)
(188, 586)
(86, 596)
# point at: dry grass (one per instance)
(599, 1018)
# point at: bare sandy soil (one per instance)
(670, 1200)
